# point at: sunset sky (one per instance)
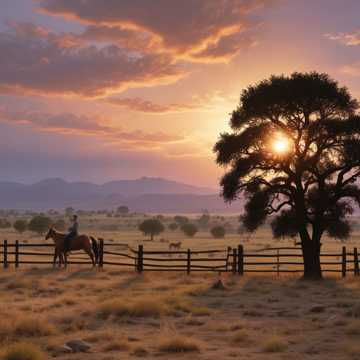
(100, 90)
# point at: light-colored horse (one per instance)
(81, 242)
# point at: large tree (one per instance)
(294, 153)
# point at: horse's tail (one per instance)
(95, 248)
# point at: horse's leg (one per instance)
(65, 257)
(55, 257)
(90, 252)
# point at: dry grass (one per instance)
(178, 344)
(141, 308)
(274, 344)
(22, 351)
(353, 328)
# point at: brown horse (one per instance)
(175, 245)
(81, 242)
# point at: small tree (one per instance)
(20, 225)
(218, 232)
(189, 229)
(173, 226)
(151, 227)
(294, 151)
(39, 224)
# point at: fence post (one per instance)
(140, 259)
(101, 253)
(188, 261)
(17, 253)
(5, 254)
(356, 262)
(227, 258)
(240, 260)
(343, 267)
(234, 261)
(277, 262)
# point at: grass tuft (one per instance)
(179, 344)
(274, 344)
(23, 351)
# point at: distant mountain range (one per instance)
(142, 195)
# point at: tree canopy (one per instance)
(151, 227)
(294, 153)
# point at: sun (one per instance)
(280, 145)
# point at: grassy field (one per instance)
(123, 315)
(126, 316)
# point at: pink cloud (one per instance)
(35, 61)
(81, 125)
(348, 39)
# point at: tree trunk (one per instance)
(152, 237)
(311, 256)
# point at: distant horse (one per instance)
(81, 242)
(174, 245)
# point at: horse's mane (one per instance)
(57, 232)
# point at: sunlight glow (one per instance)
(280, 145)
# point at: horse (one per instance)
(81, 242)
(174, 245)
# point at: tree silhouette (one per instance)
(294, 151)
(151, 227)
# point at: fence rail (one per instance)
(236, 260)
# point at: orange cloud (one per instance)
(34, 61)
(352, 70)
(146, 106)
(192, 29)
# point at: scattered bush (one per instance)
(218, 232)
(39, 224)
(4, 224)
(20, 225)
(173, 226)
(189, 229)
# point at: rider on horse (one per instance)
(72, 233)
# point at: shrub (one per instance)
(39, 224)
(189, 229)
(218, 232)
(4, 224)
(23, 351)
(20, 225)
(173, 226)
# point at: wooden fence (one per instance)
(236, 260)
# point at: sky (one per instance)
(96, 90)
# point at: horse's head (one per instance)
(50, 234)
